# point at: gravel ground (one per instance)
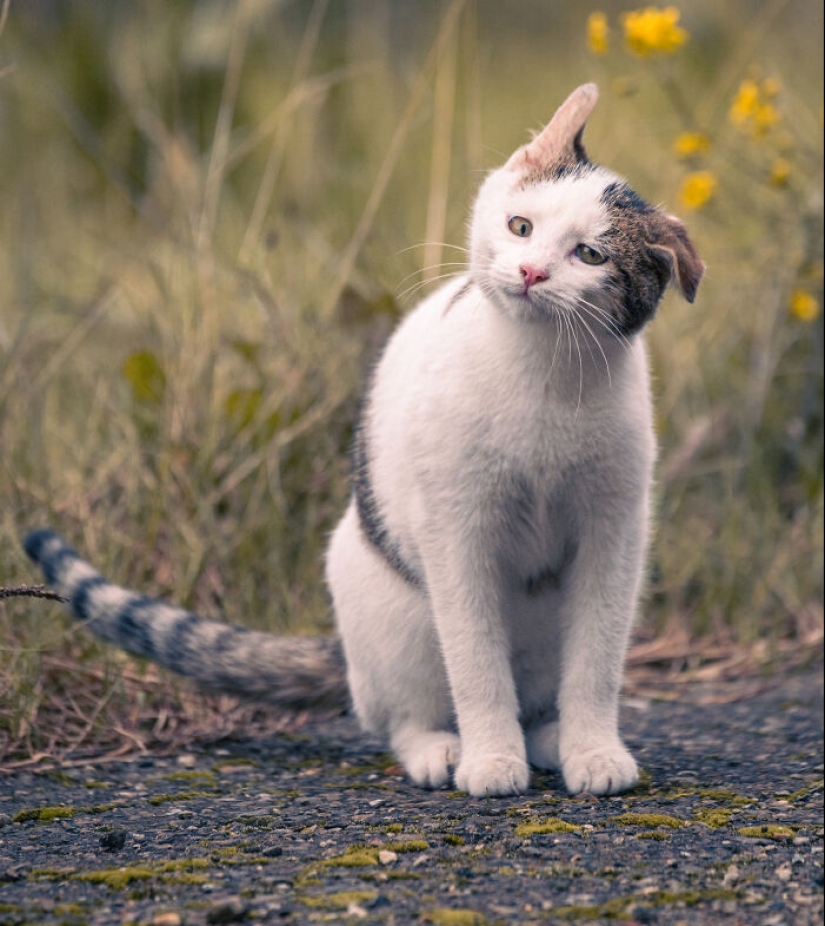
(321, 826)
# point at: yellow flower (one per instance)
(689, 144)
(780, 172)
(597, 33)
(745, 102)
(804, 306)
(751, 109)
(697, 189)
(653, 30)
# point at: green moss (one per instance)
(618, 906)
(175, 871)
(62, 778)
(551, 825)
(725, 796)
(768, 831)
(804, 792)
(692, 898)
(715, 818)
(338, 901)
(647, 819)
(47, 814)
(116, 878)
(409, 845)
(453, 840)
(159, 799)
(444, 916)
(393, 828)
(354, 857)
(235, 762)
(194, 775)
(50, 874)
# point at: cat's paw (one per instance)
(543, 745)
(492, 774)
(604, 769)
(430, 757)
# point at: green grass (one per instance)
(208, 222)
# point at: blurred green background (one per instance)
(213, 213)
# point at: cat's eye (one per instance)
(520, 226)
(588, 255)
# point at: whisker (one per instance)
(421, 284)
(581, 320)
(443, 244)
(598, 314)
(439, 266)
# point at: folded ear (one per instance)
(669, 243)
(560, 140)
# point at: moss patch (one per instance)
(159, 799)
(444, 916)
(410, 845)
(338, 901)
(194, 775)
(47, 814)
(768, 831)
(540, 828)
(647, 819)
(715, 818)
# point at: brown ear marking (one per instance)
(561, 139)
(669, 241)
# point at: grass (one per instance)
(210, 215)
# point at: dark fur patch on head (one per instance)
(640, 276)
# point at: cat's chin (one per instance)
(525, 307)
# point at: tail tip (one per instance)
(35, 542)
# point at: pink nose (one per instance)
(532, 275)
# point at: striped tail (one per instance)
(291, 672)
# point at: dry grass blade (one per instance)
(31, 591)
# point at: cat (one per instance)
(486, 574)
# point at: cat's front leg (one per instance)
(465, 602)
(600, 608)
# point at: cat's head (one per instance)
(552, 233)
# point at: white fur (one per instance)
(503, 438)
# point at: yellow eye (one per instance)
(588, 255)
(520, 226)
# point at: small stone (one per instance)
(357, 911)
(187, 760)
(230, 910)
(731, 875)
(387, 857)
(167, 919)
(784, 872)
(114, 840)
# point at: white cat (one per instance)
(486, 574)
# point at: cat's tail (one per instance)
(293, 672)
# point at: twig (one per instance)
(31, 591)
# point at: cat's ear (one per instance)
(669, 243)
(560, 141)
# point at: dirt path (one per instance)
(321, 826)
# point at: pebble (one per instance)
(387, 857)
(167, 919)
(229, 910)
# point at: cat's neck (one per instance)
(558, 354)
